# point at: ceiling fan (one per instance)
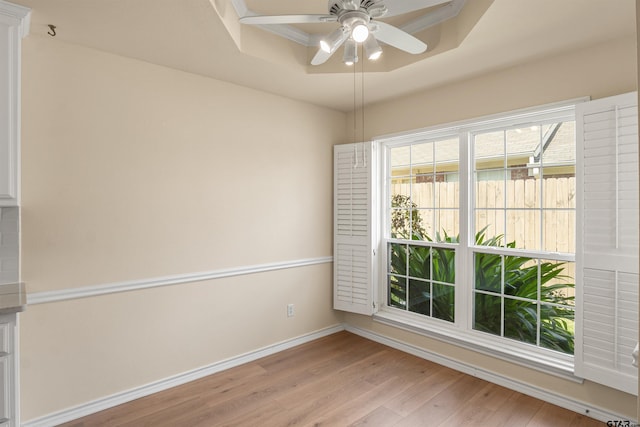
(359, 23)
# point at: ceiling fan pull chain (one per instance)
(355, 156)
(362, 93)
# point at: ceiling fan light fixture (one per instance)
(372, 48)
(350, 52)
(358, 19)
(331, 42)
(360, 32)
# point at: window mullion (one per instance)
(385, 210)
(539, 304)
(407, 276)
(542, 196)
(542, 242)
(464, 257)
(502, 304)
(434, 199)
(504, 182)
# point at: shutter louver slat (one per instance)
(353, 279)
(607, 276)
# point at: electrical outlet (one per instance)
(290, 310)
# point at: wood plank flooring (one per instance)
(339, 380)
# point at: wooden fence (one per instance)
(536, 215)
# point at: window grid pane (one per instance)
(524, 184)
(424, 191)
(530, 300)
(421, 279)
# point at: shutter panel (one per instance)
(607, 258)
(353, 248)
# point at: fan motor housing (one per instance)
(337, 6)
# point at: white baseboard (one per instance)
(92, 407)
(146, 390)
(521, 387)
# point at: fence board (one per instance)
(527, 201)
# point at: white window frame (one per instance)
(461, 332)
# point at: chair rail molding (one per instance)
(133, 285)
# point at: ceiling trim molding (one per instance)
(289, 32)
(444, 13)
(294, 34)
(240, 6)
(19, 15)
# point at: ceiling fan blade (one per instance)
(397, 38)
(322, 56)
(398, 7)
(287, 19)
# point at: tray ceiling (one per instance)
(204, 37)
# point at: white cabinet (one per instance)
(8, 372)
(14, 25)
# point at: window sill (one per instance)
(542, 360)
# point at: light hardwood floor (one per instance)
(339, 380)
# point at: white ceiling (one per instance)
(190, 35)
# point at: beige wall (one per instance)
(597, 71)
(133, 171)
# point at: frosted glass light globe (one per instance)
(360, 33)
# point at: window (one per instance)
(424, 224)
(469, 231)
(518, 205)
(524, 195)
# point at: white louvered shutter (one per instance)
(353, 248)
(607, 258)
